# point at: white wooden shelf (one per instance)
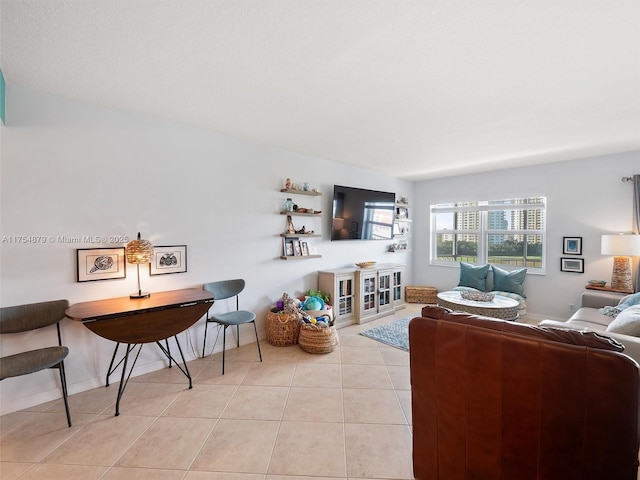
(299, 257)
(296, 235)
(301, 192)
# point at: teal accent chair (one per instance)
(221, 291)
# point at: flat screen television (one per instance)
(360, 214)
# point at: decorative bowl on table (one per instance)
(366, 264)
(478, 296)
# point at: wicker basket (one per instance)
(282, 328)
(314, 339)
(414, 294)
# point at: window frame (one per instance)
(483, 207)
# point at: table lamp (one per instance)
(139, 252)
(622, 247)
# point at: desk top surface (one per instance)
(122, 306)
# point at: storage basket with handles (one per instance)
(282, 328)
(315, 339)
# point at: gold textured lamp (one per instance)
(622, 247)
(139, 252)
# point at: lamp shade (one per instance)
(620, 245)
(139, 251)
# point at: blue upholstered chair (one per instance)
(24, 318)
(222, 290)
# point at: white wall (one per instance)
(70, 169)
(586, 198)
(73, 169)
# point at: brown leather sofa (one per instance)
(501, 400)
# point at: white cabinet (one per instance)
(359, 295)
(398, 287)
(340, 285)
(374, 292)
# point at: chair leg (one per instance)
(224, 346)
(167, 343)
(204, 343)
(238, 336)
(63, 382)
(257, 341)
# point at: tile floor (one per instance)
(295, 416)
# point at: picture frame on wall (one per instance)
(575, 265)
(168, 259)
(572, 245)
(100, 264)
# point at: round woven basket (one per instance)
(314, 339)
(282, 328)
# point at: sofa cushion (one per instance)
(474, 276)
(592, 316)
(509, 281)
(564, 334)
(625, 302)
(629, 301)
(627, 322)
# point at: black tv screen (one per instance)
(360, 214)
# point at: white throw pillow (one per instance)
(627, 322)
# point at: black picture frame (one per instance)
(572, 245)
(168, 259)
(93, 264)
(573, 265)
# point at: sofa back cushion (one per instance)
(627, 322)
(575, 337)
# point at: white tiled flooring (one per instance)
(295, 416)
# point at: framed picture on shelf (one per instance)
(402, 212)
(572, 245)
(169, 259)
(575, 265)
(297, 248)
(288, 246)
(305, 249)
(100, 264)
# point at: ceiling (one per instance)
(414, 89)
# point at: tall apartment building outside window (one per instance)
(510, 232)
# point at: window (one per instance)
(508, 232)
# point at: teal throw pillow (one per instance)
(474, 276)
(509, 281)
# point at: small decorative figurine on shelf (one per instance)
(306, 186)
(290, 228)
(288, 205)
(287, 183)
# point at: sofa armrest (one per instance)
(631, 344)
(600, 299)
